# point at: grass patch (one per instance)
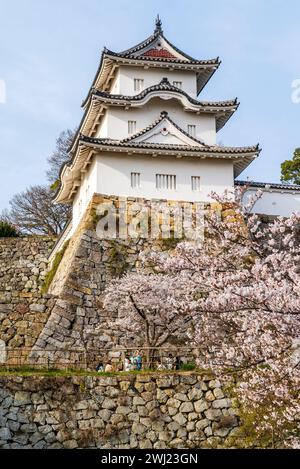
(27, 371)
(31, 371)
(51, 274)
(188, 367)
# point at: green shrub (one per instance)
(7, 230)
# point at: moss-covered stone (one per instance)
(55, 264)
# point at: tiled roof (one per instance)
(212, 62)
(165, 85)
(212, 150)
(266, 185)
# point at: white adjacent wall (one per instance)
(276, 202)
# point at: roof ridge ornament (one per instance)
(158, 26)
(165, 81)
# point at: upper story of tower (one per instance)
(131, 71)
(133, 87)
(143, 104)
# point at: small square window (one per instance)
(135, 180)
(192, 130)
(178, 84)
(138, 85)
(131, 127)
(196, 183)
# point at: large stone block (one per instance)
(22, 398)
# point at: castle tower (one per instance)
(145, 133)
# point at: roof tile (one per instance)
(162, 53)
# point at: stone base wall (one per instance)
(77, 320)
(23, 266)
(70, 318)
(185, 410)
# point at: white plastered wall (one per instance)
(124, 81)
(276, 202)
(85, 193)
(114, 176)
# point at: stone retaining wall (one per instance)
(23, 266)
(77, 319)
(70, 316)
(183, 410)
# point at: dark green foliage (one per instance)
(290, 169)
(7, 230)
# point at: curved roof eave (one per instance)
(165, 85)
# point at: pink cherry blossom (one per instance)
(236, 298)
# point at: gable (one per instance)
(160, 48)
(167, 133)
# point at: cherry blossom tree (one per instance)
(240, 294)
(149, 312)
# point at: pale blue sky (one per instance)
(50, 50)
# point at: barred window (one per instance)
(192, 130)
(166, 181)
(196, 183)
(131, 127)
(135, 180)
(138, 85)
